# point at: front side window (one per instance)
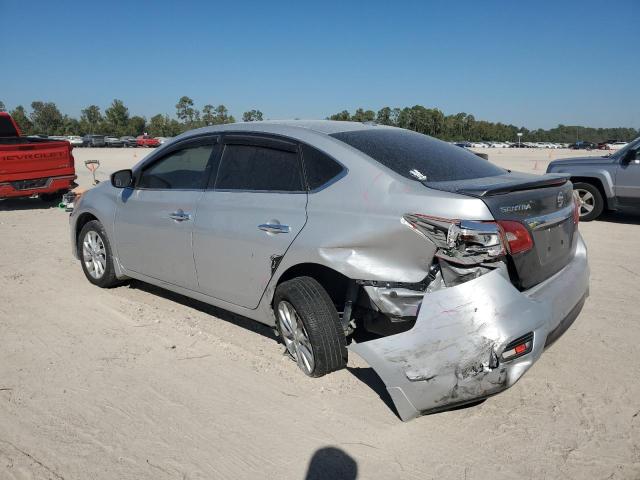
(251, 167)
(185, 169)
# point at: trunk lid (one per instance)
(543, 204)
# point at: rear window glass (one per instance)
(404, 151)
(6, 127)
(320, 168)
(249, 167)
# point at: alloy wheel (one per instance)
(295, 337)
(586, 201)
(94, 254)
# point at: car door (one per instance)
(628, 179)
(154, 220)
(249, 218)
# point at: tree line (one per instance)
(46, 118)
(463, 126)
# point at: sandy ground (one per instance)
(138, 383)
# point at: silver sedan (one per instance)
(447, 274)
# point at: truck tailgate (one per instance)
(34, 159)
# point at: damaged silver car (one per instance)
(447, 274)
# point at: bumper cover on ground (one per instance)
(452, 354)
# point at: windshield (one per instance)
(417, 156)
(629, 146)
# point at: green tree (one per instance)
(70, 126)
(163, 126)
(344, 116)
(46, 117)
(208, 114)
(363, 116)
(384, 116)
(2, 107)
(221, 115)
(186, 112)
(91, 119)
(117, 118)
(22, 119)
(252, 116)
(136, 126)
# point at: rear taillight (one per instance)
(464, 242)
(576, 209)
(517, 236)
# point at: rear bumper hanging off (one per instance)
(453, 354)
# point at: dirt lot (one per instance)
(139, 383)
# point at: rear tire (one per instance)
(95, 255)
(313, 326)
(591, 201)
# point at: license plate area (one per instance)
(554, 242)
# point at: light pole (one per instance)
(519, 138)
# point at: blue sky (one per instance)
(530, 63)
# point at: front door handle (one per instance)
(274, 228)
(179, 216)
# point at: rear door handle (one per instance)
(274, 228)
(179, 216)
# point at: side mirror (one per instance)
(122, 179)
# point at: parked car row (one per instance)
(495, 144)
(99, 141)
(611, 145)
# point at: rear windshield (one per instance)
(416, 156)
(6, 127)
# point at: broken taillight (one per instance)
(463, 242)
(576, 208)
(517, 236)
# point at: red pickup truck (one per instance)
(147, 141)
(33, 166)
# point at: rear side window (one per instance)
(319, 167)
(250, 167)
(185, 169)
(404, 151)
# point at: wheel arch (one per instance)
(334, 282)
(596, 182)
(82, 220)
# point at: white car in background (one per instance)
(616, 145)
(478, 145)
(500, 145)
(74, 140)
(163, 140)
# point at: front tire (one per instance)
(590, 201)
(309, 326)
(94, 250)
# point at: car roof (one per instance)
(287, 127)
